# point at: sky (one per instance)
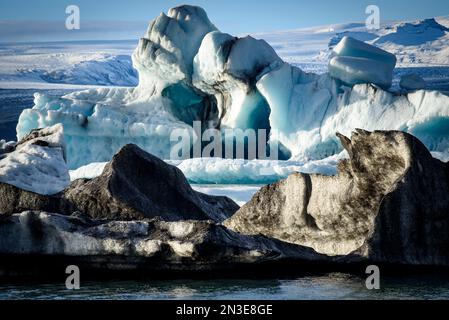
(44, 20)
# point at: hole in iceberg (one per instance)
(188, 105)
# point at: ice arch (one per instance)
(188, 70)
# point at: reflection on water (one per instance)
(329, 286)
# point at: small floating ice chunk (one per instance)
(350, 47)
(360, 70)
(357, 62)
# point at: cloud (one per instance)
(30, 31)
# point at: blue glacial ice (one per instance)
(220, 171)
(356, 62)
(350, 47)
(98, 122)
(227, 68)
(189, 71)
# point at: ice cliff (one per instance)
(189, 71)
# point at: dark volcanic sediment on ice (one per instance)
(137, 185)
(134, 185)
(388, 203)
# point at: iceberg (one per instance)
(352, 71)
(357, 62)
(37, 163)
(307, 110)
(218, 171)
(98, 122)
(350, 47)
(190, 71)
(227, 68)
(165, 54)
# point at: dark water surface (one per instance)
(329, 286)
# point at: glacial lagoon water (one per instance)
(329, 286)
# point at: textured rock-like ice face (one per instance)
(201, 245)
(37, 164)
(362, 205)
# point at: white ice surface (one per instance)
(358, 62)
(414, 43)
(229, 171)
(36, 168)
(89, 171)
(353, 70)
(351, 47)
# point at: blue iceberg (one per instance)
(189, 71)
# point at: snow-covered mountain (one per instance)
(65, 64)
(421, 42)
(421, 45)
